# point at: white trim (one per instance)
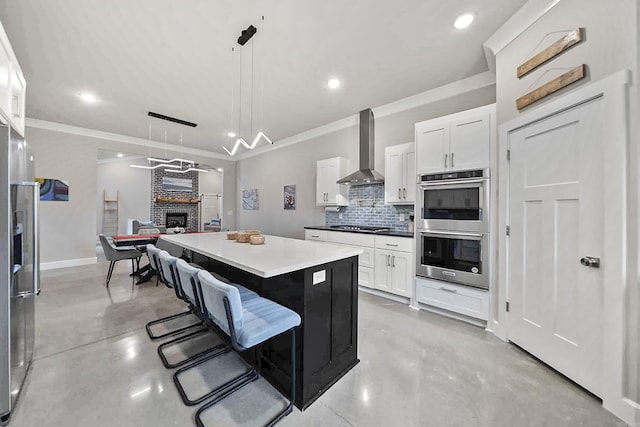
(92, 133)
(387, 295)
(526, 16)
(450, 90)
(67, 263)
(616, 281)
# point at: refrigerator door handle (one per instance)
(35, 186)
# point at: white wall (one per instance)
(134, 191)
(611, 45)
(67, 229)
(296, 164)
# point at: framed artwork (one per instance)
(250, 200)
(170, 183)
(289, 197)
(53, 190)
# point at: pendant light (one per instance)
(245, 36)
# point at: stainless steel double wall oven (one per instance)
(453, 227)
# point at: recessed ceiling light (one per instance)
(120, 155)
(231, 135)
(219, 169)
(464, 21)
(88, 97)
(333, 83)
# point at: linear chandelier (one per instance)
(245, 36)
(176, 165)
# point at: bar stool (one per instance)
(172, 279)
(248, 324)
(154, 261)
(190, 274)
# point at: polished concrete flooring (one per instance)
(95, 366)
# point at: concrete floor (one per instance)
(95, 366)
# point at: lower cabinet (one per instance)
(460, 299)
(386, 263)
(394, 272)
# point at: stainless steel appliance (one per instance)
(19, 265)
(454, 201)
(366, 174)
(454, 256)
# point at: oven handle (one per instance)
(451, 233)
(452, 182)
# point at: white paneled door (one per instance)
(556, 220)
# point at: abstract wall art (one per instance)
(289, 197)
(54, 190)
(250, 200)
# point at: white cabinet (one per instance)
(400, 174)
(328, 171)
(460, 141)
(460, 299)
(12, 86)
(385, 264)
(394, 265)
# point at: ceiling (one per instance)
(174, 57)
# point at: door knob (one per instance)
(590, 262)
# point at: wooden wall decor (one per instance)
(577, 73)
(571, 39)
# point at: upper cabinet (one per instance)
(12, 86)
(459, 141)
(328, 171)
(400, 174)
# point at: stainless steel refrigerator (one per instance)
(19, 265)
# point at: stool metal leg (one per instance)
(180, 339)
(286, 411)
(173, 332)
(250, 375)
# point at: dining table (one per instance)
(145, 273)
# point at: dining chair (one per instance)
(114, 254)
(247, 324)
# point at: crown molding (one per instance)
(108, 136)
(519, 22)
(450, 90)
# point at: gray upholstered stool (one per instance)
(247, 323)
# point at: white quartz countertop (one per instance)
(278, 255)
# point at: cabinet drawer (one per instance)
(402, 244)
(459, 299)
(353, 239)
(320, 235)
(365, 276)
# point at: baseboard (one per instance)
(67, 263)
(397, 298)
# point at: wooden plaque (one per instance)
(573, 38)
(554, 85)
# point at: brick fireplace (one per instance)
(161, 210)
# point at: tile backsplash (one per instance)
(366, 207)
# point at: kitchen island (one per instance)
(317, 281)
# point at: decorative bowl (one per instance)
(232, 235)
(256, 239)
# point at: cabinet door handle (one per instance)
(404, 193)
(316, 236)
(453, 291)
(446, 156)
(391, 244)
(399, 193)
(393, 260)
(388, 263)
(451, 159)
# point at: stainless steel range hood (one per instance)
(366, 174)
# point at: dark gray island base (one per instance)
(327, 340)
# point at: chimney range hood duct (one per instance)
(366, 174)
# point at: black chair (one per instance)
(248, 324)
(115, 254)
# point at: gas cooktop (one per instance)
(369, 228)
